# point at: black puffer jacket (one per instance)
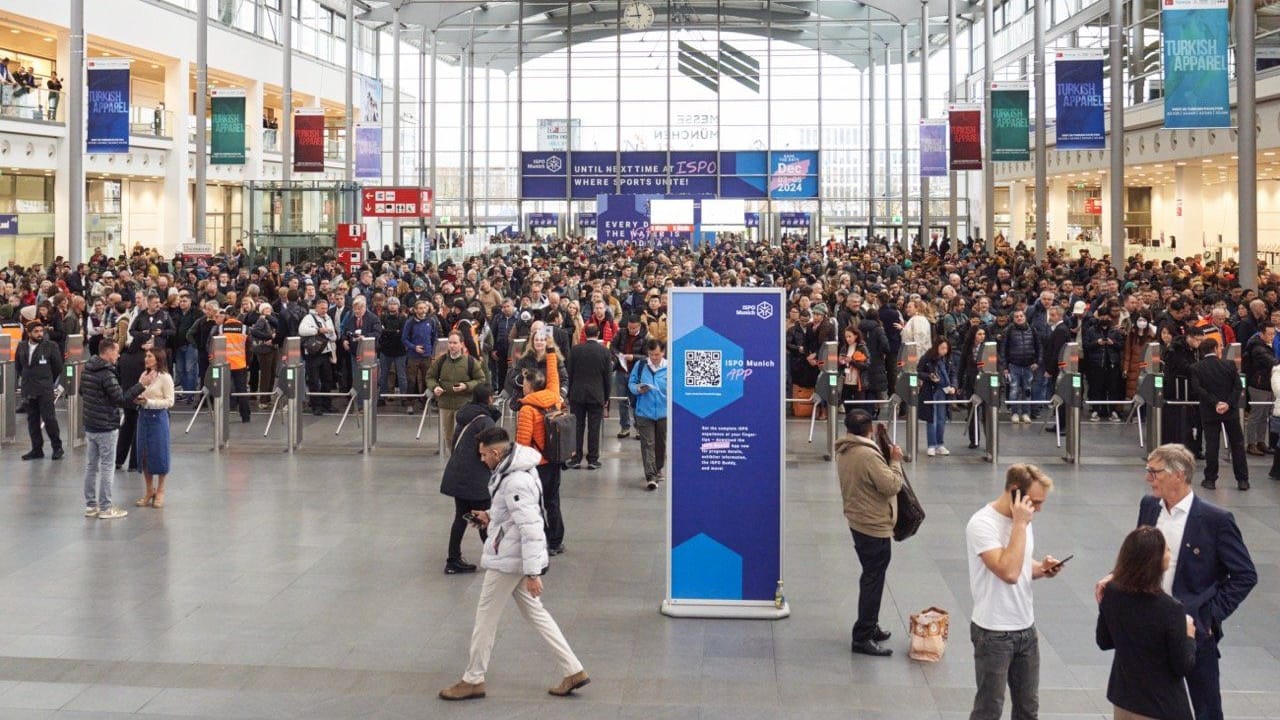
(876, 377)
(102, 396)
(466, 477)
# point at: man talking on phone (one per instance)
(1001, 548)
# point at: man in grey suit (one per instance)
(590, 370)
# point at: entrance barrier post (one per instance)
(1151, 395)
(8, 389)
(1070, 391)
(908, 390)
(218, 384)
(75, 359)
(828, 389)
(989, 391)
(292, 382)
(366, 390)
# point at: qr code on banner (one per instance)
(702, 368)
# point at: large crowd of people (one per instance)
(573, 324)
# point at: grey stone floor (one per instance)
(310, 586)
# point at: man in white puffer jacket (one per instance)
(515, 556)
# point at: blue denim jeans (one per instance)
(935, 421)
(401, 364)
(187, 367)
(1019, 389)
(100, 468)
(1040, 390)
(624, 406)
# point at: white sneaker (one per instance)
(943, 451)
(931, 452)
(1116, 419)
(112, 513)
(1093, 417)
(90, 511)
(1026, 418)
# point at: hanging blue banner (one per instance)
(8, 224)
(1080, 107)
(107, 109)
(794, 220)
(933, 148)
(586, 219)
(1195, 64)
(369, 151)
(793, 174)
(751, 219)
(727, 448)
(543, 220)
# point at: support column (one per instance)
(1056, 208)
(888, 145)
(254, 167)
(951, 98)
(200, 192)
(1189, 226)
(1247, 142)
(75, 98)
(433, 156)
(906, 166)
(924, 114)
(988, 133)
(349, 144)
(1017, 212)
(286, 96)
(395, 115)
(1042, 153)
(177, 217)
(1115, 208)
(471, 131)
(871, 142)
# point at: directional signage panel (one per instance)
(396, 202)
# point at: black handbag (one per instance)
(910, 512)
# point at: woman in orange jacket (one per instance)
(542, 393)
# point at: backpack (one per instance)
(562, 435)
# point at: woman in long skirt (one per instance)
(153, 427)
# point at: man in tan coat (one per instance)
(869, 486)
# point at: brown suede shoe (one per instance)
(571, 683)
(463, 690)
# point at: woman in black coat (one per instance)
(875, 380)
(1154, 638)
(1176, 360)
(466, 478)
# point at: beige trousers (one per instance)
(1122, 714)
(447, 420)
(494, 592)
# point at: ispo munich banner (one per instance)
(308, 140)
(730, 174)
(226, 125)
(1195, 63)
(966, 136)
(933, 148)
(726, 444)
(1010, 116)
(108, 106)
(368, 150)
(1079, 99)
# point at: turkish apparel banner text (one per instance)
(1080, 107)
(1010, 122)
(933, 148)
(107, 113)
(308, 140)
(226, 136)
(966, 136)
(1195, 63)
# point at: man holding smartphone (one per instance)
(1000, 545)
(451, 379)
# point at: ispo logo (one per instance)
(762, 310)
(554, 164)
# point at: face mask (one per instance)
(1142, 324)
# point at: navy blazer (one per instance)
(1214, 573)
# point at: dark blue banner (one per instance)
(8, 224)
(623, 218)
(586, 219)
(107, 111)
(748, 174)
(543, 220)
(794, 220)
(727, 444)
(1080, 108)
(751, 219)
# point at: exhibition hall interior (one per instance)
(737, 199)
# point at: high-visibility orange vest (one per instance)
(233, 331)
(13, 329)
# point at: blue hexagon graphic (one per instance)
(693, 392)
(703, 569)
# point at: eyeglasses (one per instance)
(1155, 471)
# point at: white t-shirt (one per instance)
(997, 605)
